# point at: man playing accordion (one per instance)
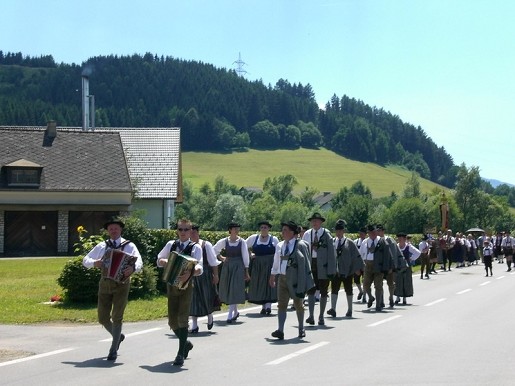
(113, 291)
(179, 298)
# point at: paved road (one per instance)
(457, 331)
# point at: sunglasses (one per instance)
(183, 229)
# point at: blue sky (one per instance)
(445, 65)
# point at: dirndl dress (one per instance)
(260, 291)
(232, 278)
(205, 294)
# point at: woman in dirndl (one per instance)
(404, 276)
(235, 270)
(205, 294)
(262, 248)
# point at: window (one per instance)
(23, 177)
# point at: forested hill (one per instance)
(216, 109)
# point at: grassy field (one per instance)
(323, 169)
(27, 284)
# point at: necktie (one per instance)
(315, 241)
(114, 244)
(286, 250)
(373, 245)
(181, 247)
(339, 244)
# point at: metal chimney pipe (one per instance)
(85, 103)
(92, 111)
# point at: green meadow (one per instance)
(322, 169)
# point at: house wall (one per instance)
(156, 212)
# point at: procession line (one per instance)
(47, 354)
(436, 302)
(384, 321)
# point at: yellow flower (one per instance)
(80, 229)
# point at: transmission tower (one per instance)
(240, 63)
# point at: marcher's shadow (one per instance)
(292, 340)
(257, 315)
(165, 367)
(94, 362)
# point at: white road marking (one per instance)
(436, 302)
(485, 283)
(384, 321)
(47, 354)
(297, 353)
(135, 333)
(463, 292)
(500, 277)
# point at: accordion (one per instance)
(178, 264)
(115, 261)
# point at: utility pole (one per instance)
(240, 63)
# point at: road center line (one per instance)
(135, 333)
(485, 283)
(47, 354)
(436, 302)
(500, 277)
(464, 291)
(384, 321)
(297, 353)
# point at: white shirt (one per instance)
(210, 253)
(365, 250)
(279, 266)
(414, 252)
(423, 246)
(309, 237)
(196, 253)
(100, 249)
(220, 244)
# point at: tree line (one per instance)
(214, 206)
(227, 111)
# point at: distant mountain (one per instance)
(496, 183)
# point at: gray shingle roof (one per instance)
(153, 156)
(72, 161)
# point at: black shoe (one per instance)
(209, 326)
(379, 309)
(187, 348)
(302, 333)
(179, 360)
(122, 338)
(235, 317)
(360, 295)
(194, 330)
(348, 314)
(263, 311)
(278, 334)
(112, 355)
(229, 321)
(397, 301)
(427, 276)
(370, 301)
(321, 321)
(331, 312)
(268, 311)
(404, 302)
(310, 320)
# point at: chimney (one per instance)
(85, 103)
(51, 129)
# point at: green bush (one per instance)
(80, 284)
(144, 283)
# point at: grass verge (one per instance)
(27, 284)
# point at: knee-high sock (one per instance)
(300, 318)
(311, 305)
(210, 318)
(194, 323)
(182, 334)
(349, 304)
(281, 318)
(334, 300)
(323, 303)
(116, 332)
